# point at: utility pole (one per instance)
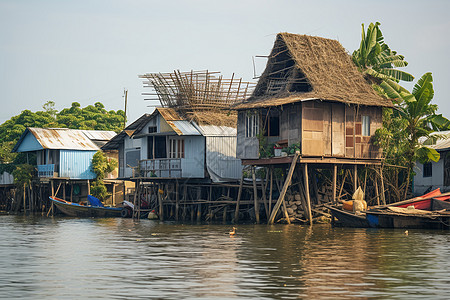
(125, 92)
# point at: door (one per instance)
(160, 147)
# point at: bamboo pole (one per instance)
(383, 199)
(355, 178)
(284, 190)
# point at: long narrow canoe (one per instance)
(77, 210)
(347, 218)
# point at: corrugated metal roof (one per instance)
(212, 130)
(443, 143)
(183, 127)
(63, 138)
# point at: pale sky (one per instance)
(90, 50)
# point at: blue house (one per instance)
(61, 152)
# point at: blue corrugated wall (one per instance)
(76, 164)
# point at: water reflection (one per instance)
(118, 258)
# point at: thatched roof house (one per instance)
(311, 94)
(302, 67)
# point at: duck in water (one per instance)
(233, 232)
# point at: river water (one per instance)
(70, 258)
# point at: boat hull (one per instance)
(346, 218)
(391, 220)
(76, 210)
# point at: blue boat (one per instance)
(94, 209)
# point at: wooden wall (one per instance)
(335, 129)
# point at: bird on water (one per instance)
(233, 232)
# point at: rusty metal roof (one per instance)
(169, 114)
(69, 139)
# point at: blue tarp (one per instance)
(94, 201)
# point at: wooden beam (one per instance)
(383, 197)
(177, 200)
(284, 190)
(255, 195)
(355, 178)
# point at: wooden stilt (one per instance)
(377, 193)
(114, 195)
(255, 195)
(270, 190)
(284, 190)
(263, 196)
(355, 178)
(24, 199)
(88, 187)
(199, 206)
(334, 183)
(71, 191)
(177, 200)
(308, 200)
(236, 212)
(383, 199)
(160, 202)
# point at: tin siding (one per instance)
(221, 160)
(193, 165)
(76, 164)
(29, 143)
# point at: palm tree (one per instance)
(375, 59)
(418, 117)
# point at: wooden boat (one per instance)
(95, 209)
(345, 218)
(430, 211)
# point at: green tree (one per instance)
(413, 119)
(101, 166)
(375, 59)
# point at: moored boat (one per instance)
(95, 209)
(345, 218)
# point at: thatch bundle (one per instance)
(304, 67)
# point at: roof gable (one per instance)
(304, 67)
(61, 138)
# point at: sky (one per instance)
(89, 51)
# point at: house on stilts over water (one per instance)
(313, 116)
(182, 156)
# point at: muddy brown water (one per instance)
(70, 258)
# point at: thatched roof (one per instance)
(304, 67)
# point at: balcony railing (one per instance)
(46, 170)
(159, 168)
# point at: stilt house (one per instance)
(310, 107)
(310, 98)
(193, 136)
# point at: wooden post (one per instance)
(24, 199)
(199, 206)
(355, 178)
(88, 187)
(64, 191)
(160, 202)
(71, 191)
(263, 189)
(177, 200)
(270, 190)
(377, 193)
(255, 197)
(334, 182)
(114, 195)
(236, 212)
(224, 217)
(382, 187)
(284, 190)
(308, 199)
(184, 200)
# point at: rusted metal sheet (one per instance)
(62, 138)
(183, 128)
(169, 114)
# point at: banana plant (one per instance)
(376, 59)
(421, 119)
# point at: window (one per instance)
(152, 129)
(251, 125)
(366, 125)
(427, 169)
(176, 149)
(132, 157)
